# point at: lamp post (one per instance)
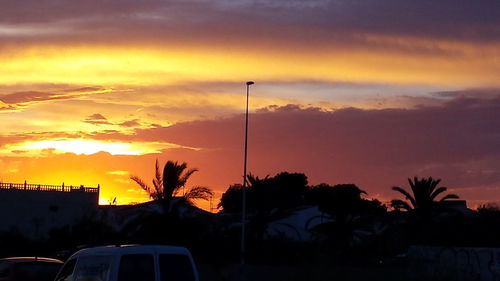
(243, 203)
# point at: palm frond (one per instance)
(406, 194)
(176, 192)
(198, 192)
(141, 183)
(400, 204)
(431, 185)
(437, 191)
(414, 188)
(412, 183)
(449, 196)
(144, 186)
(251, 179)
(184, 178)
(181, 167)
(435, 182)
(158, 179)
(178, 169)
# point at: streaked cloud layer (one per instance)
(164, 78)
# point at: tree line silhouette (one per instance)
(352, 229)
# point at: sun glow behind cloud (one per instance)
(85, 147)
(119, 68)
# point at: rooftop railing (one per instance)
(46, 187)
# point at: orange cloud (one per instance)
(147, 79)
(84, 146)
(122, 66)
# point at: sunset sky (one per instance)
(347, 91)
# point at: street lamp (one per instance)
(243, 204)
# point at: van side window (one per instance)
(66, 273)
(134, 267)
(176, 268)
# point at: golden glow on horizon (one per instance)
(114, 66)
(85, 147)
(118, 173)
(142, 83)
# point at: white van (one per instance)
(130, 263)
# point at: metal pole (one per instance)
(243, 208)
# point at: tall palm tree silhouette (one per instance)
(423, 196)
(168, 184)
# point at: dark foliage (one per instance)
(342, 200)
(230, 201)
(283, 191)
(354, 230)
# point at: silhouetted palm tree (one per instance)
(253, 180)
(170, 183)
(423, 196)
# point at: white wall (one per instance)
(34, 213)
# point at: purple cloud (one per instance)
(456, 140)
(294, 23)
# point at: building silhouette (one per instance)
(34, 209)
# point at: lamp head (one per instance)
(250, 83)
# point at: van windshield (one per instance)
(93, 268)
(176, 268)
(66, 272)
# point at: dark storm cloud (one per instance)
(296, 22)
(445, 18)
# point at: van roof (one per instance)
(132, 249)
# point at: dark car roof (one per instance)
(31, 259)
